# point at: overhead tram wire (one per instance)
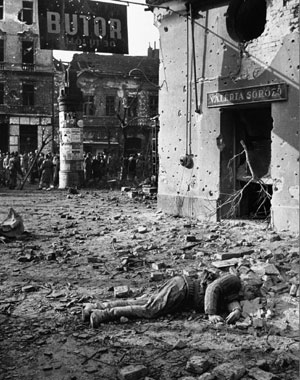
(228, 42)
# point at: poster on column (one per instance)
(71, 152)
(83, 25)
(71, 135)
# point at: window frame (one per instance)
(31, 60)
(1, 9)
(2, 93)
(88, 106)
(132, 106)
(153, 105)
(28, 96)
(110, 105)
(27, 12)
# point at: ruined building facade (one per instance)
(119, 101)
(229, 109)
(26, 79)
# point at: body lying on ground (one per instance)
(181, 292)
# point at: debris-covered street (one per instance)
(79, 247)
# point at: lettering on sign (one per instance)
(267, 93)
(87, 25)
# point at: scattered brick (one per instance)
(229, 371)
(198, 364)
(121, 291)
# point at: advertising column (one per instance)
(71, 143)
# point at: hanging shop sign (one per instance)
(83, 25)
(258, 94)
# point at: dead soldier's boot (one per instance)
(134, 311)
(99, 316)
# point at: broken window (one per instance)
(1, 93)
(1, 9)
(246, 19)
(26, 14)
(88, 105)
(28, 94)
(27, 52)
(110, 106)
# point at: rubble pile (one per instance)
(90, 246)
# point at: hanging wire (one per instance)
(187, 87)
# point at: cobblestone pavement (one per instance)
(79, 247)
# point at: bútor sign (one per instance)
(83, 25)
(258, 94)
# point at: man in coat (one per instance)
(181, 292)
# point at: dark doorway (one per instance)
(245, 145)
(28, 138)
(133, 145)
(4, 136)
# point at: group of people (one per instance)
(42, 168)
(103, 166)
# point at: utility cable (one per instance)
(187, 88)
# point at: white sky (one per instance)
(141, 32)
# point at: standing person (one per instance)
(131, 167)
(46, 172)
(24, 163)
(14, 169)
(139, 168)
(87, 168)
(40, 161)
(96, 168)
(213, 297)
(33, 174)
(56, 167)
(18, 166)
(2, 170)
(124, 168)
(6, 170)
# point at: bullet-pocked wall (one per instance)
(222, 64)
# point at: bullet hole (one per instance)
(179, 113)
(166, 29)
(210, 193)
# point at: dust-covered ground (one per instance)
(78, 247)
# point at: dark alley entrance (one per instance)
(245, 146)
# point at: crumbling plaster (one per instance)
(224, 64)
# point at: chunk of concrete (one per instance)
(220, 264)
(259, 374)
(229, 371)
(121, 291)
(133, 372)
(198, 365)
